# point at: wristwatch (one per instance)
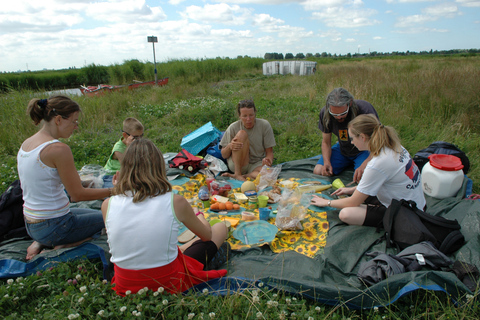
(328, 203)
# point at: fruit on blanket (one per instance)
(214, 206)
(248, 186)
(228, 205)
(221, 206)
(223, 191)
(337, 184)
(236, 206)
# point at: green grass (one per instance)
(424, 99)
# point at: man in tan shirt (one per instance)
(247, 143)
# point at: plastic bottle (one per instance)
(204, 196)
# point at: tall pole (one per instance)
(155, 63)
(154, 39)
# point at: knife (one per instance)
(245, 235)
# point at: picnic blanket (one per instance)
(326, 274)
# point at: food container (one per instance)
(219, 198)
(206, 204)
(240, 197)
(252, 203)
(442, 176)
(250, 194)
(287, 184)
(247, 216)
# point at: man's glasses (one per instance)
(134, 137)
(339, 114)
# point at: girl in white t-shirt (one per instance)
(390, 174)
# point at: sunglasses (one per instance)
(339, 114)
(134, 137)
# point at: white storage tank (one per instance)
(442, 176)
(289, 67)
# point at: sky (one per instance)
(59, 34)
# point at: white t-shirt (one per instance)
(392, 175)
(142, 235)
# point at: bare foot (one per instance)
(252, 175)
(70, 245)
(234, 176)
(34, 249)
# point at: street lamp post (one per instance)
(153, 39)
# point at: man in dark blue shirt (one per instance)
(339, 110)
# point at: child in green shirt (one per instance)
(132, 129)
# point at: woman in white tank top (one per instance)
(46, 169)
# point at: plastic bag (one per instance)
(215, 165)
(92, 175)
(292, 209)
(267, 177)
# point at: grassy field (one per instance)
(425, 99)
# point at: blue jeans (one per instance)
(76, 225)
(340, 162)
(107, 181)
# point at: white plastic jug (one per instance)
(442, 176)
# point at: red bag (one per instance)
(187, 161)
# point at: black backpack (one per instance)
(441, 147)
(406, 225)
(12, 224)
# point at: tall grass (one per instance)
(191, 71)
(424, 99)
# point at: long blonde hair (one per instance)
(142, 172)
(379, 136)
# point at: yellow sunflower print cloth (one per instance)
(310, 241)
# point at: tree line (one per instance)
(280, 56)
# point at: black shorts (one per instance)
(375, 212)
(202, 251)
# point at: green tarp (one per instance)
(331, 276)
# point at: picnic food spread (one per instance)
(284, 203)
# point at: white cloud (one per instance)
(266, 19)
(421, 30)
(311, 5)
(339, 17)
(409, 1)
(262, 2)
(444, 10)
(377, 38)
(24, 16)
(267, 23)
(124, 11)
(430, 14)
(469, 3)
(218, 13)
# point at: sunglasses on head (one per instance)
(339, 114)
